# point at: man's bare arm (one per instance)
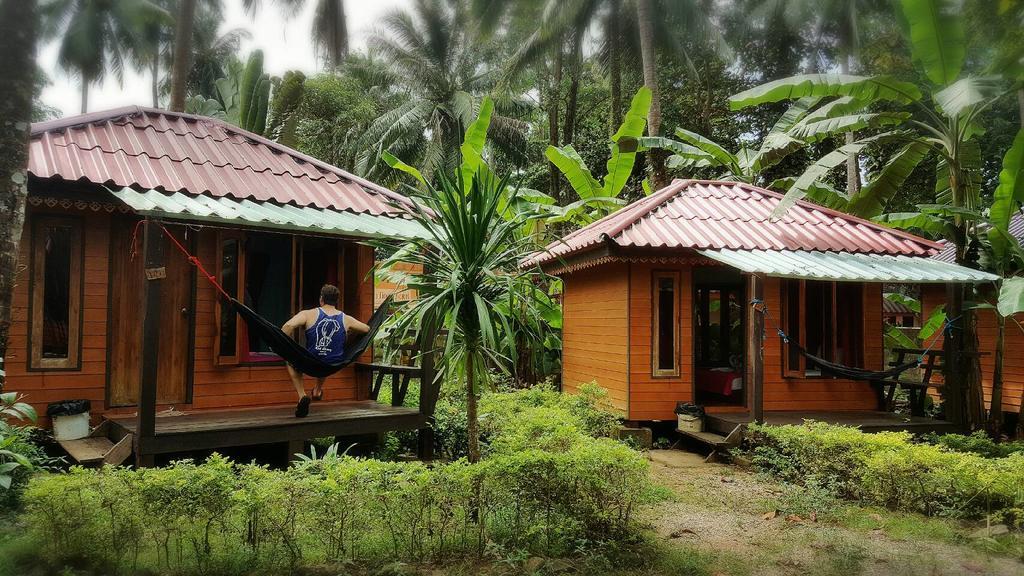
(355, 326)
(296, 325)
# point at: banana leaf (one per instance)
(862, 88)
(936, 38)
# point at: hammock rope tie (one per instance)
(852, 372)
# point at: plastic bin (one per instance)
(690, 417)
(70, 419)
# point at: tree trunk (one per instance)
(655, 159)
(571, 104)
(995, 417)
(852, 162)
(614, 67)
(472, 425)
(182, 54)
(155, 69)
(18, 30)
(85, 94)
(554, 90)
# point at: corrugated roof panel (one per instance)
(699, 214)
(149, 149)
(847, 266)
(207, 209)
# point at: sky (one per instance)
(286, 46)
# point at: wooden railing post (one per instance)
(755, 353)
(155, 272)
(429, 390)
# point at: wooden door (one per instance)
(125, 329)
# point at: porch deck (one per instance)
(211, 429)
(867, 420)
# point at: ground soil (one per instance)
(741, 520)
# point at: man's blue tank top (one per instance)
(326, 337)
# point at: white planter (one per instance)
(71, 427)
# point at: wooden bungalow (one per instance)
(657, 305)
(1013, 362)
(111, 311)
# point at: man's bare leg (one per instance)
(302, 408)
(318, 390)
(296, 377)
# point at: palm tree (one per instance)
(18, 31)
(212, 51)
(98, 36)
(470, 257)
(330, 28)
(430, 51)
(182, 53)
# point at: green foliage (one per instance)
(222, 518)
(283, 120)
(977, 442)
(600, 198)
(19, 454)
(888, 469)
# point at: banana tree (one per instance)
(945, 125)
(807, 121)
(1006, 258)
(600, 198)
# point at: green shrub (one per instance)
(888, 469)
(977, 442)
(224, 518)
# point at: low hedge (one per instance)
(546, 488)
(889, 469)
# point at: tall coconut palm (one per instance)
(182, 53)
(98, 36)
(438, 63)
(18, 31)
(330, 27)
(212, 51)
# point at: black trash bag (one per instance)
(67, 408)
(689, 409)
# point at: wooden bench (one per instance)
(932, 362)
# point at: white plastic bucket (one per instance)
(71, 427)
(690, 423)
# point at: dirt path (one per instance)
(743, 521)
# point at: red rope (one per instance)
(192, 260)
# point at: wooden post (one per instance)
(429, 390)
(755, 354)
(153, 249)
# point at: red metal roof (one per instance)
(1016, 229)
(703, 215)
(890, 308)
(146, 149)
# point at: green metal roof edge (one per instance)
(154, 203)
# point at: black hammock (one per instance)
(852, 372)
(295, 354)
(839, 370)
(282, 344)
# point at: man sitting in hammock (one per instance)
(326, 329)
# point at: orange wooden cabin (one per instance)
(1013, 360)
(657, 304)
(271, 224)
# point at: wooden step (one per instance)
(710, 439)
(97, 449)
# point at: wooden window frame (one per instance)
(239, 237)
(76, 296)
(797, 371)
(243, 357)
(676, 278)
(800, 371)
